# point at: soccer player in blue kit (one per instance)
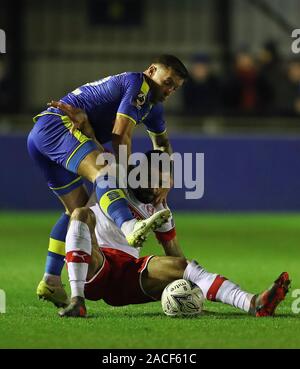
(67, 139)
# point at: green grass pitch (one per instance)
(250, 249)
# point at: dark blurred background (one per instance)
(245, 80)
(243, 73)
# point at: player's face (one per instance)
(164, 82)
(145, 195)
(150, 194)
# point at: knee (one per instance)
(169, 267)
(84, 215)
(171, 262)
(180, 263)
(176, 268)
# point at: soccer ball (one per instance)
(182, 297)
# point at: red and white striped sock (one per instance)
(78, 255)
(217, 288)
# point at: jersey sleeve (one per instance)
(155, 122)
(134, 87)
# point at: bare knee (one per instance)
(162, 270)
(180, 263)
(174, 263)
(167, 267)
(177, 267)
(84, 215)
(74, 199)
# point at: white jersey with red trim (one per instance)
(109, 235)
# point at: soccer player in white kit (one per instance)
(102, 265)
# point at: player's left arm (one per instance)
(156, 128)
(172, 247)
(160, 141)
(166, 236)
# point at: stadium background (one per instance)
(251, 153)
(251, 157)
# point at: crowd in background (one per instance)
(5, 92)
(262, 84)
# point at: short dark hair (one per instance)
(173, 62)
(147, 161)
(165, 162)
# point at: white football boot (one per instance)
(142, 228)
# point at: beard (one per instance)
(156, 94)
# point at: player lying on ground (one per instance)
(67, 139)
(56, 293)
(101, 265)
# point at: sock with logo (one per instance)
(217, 288)
(78, 255)
(112, 200)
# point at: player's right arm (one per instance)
(127, 115)
(78, 118)
(122, 134)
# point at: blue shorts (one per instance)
(58, 152)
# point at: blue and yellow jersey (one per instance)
(59, 153)
(126, 94)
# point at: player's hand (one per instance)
(161, 198)
(77, 116)
(79, 120)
